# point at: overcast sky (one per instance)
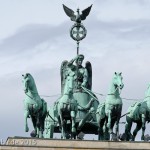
(34, 38)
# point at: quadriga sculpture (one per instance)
(34, 107)
(138, 113)
(66, 108)
(109, 113)
(80, 80)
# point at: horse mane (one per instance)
(31, 77)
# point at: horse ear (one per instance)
(120, 73)
(115, 73)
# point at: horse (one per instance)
(138, 113)
(101, 120)
(106, 112)
(34, 107)
(67, 108)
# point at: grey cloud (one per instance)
(144, 2)
(127, 29)
(28, 37)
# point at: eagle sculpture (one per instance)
(79, 17)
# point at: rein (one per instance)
(29, 96)
(146, 97)
(31, 92)
(89, 92)
(115, 91)
(52, 118)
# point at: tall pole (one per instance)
(78, 47)
(77, 71)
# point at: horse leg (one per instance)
(100, 129)
(117, 126)
(106, 133)
(26, 114)
(112, 135)
(138, 127)
(34, 124)
(63, 135)
(128, 128)
(73, 122)
(38, 125)
(40, 131)
(143, 126)
(109, 121)
(37, 129)
(42, 118)
(42, 125)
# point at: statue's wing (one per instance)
(88, 66)
(63, 73)
(69, 12)
(85, 13)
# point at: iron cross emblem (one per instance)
(78, 32)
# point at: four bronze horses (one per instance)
(108, 113)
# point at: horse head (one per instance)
(27, 82)
(117, 81)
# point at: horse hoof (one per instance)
(113, 137)
(41, 136)
(73, 130)
(142, 138)
(108, 125)
(33, 134)
(26, 129)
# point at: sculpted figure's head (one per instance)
(80, 60)
(117, 80)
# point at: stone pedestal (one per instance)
(19, 143)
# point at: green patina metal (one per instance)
(34, 107)
(67, 107)
(78, 31)
(106, 112)
(78, 109)
(139, 113)
(77, 104)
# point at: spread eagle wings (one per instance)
(85, 13)
(69, 12)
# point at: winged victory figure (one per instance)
(82, 75)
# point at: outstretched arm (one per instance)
(72, 61)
